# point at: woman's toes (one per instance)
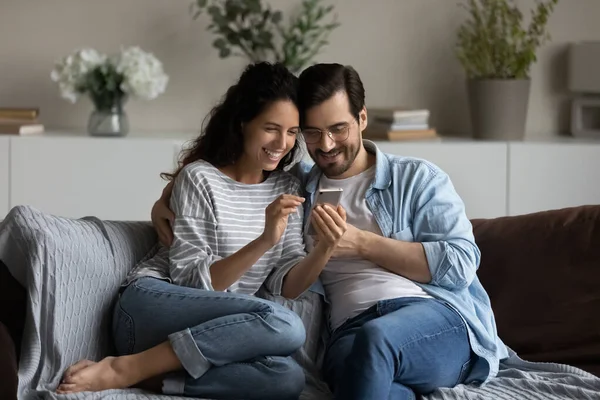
(78, 366)
(64, 388)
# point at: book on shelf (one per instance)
(20, 127)
(378, 133)
(398, 123)
(19, 113)
(398, 115)
(20, 121)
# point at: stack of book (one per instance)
(20, 121)
(398, 124)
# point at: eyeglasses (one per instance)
(337, 133)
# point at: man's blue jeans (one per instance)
(231, 346)
(397, 348)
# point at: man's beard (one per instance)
(337, 169)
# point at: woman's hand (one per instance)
(276, 217)
(163, 217)
(330, 225)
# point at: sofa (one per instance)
(541, 270)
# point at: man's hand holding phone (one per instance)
(328, 218)
(329, 225)
(351, 245)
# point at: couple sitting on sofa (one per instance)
(396, 259)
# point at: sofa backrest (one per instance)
(542, 273)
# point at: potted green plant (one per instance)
(253, 30)
(497, 50)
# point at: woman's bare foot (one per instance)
(110, 373)
(120, 372)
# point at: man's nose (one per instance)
(327, 143)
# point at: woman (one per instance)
(191, 311)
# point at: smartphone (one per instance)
(331, 196)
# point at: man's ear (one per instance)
(363, 119)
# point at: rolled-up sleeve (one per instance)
(194, 232)
(441, 225)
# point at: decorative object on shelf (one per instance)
(497, 51)
(109, 82)
(253, 30)
(584, 83)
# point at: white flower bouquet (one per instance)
(133, 72)
(110, 81)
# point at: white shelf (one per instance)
(76, 177)
(73, 174)
(553, 175)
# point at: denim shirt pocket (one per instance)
(405, 235)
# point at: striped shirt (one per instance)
(215, 216)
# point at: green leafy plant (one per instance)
(493, 42)
(252, 29)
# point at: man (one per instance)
(407, 311)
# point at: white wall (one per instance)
(402, 48)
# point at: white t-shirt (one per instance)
(354, 285)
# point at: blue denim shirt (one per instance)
(414, 200)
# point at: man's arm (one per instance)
(403, 258)
(443, 251)
(441, 225)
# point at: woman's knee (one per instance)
(290, 327)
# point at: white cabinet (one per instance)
(110, 178)
(119, 178)
(477, 170)
(546, 176)
(4, 176)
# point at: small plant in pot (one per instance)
(253, 30)
(497, 50)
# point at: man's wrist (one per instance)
(323, 249)
(365, 244)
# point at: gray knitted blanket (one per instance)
(72, 269)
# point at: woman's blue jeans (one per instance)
(231, 346)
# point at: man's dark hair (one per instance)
(222, 142)
(320, 82)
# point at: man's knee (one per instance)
(372, 335)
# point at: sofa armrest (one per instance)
(8, 365)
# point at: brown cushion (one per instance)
(8, 366)
(542, 272)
